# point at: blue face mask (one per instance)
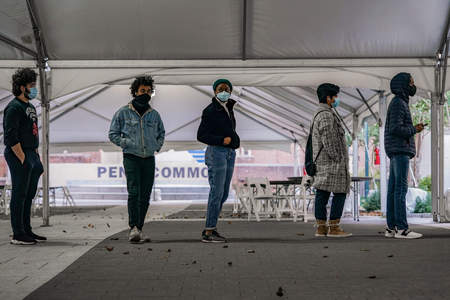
(223, 96)
(336, 102)
(32, 93)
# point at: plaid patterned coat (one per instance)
(332, 164)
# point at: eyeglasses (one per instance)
(145, 91)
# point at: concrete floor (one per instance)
(260, 259)
(76, 264)
(25, 268)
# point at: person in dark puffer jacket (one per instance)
(400, 147)
(218, 130)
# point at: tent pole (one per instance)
(355, 145)
(296, 156)
(383, 161)
(435, 189)
(355, 148)
(244, 31)
(42, 59)
(443, 201)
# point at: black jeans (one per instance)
(140, 173)
(321, 202)
(24, 179)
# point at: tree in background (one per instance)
(421, 113)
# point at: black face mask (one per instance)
(411, 90)
(143, 99)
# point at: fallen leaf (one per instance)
(109, 248)
(229, 222)
(126, 252)
(300, 234)
(280, 292)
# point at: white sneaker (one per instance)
(144, 238)
(390, 233)
(134, 235)
(407, 234)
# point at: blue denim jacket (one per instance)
(140, 136)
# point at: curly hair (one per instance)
(22, 77)
(144, 80)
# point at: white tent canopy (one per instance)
(274, 52)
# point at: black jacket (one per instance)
(216, 125)
(20, 125)
(399, 130)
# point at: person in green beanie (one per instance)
(218, 130)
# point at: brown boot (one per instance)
(336, 230)
(322, 228)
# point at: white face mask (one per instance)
(223, 96)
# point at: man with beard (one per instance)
(21, 138)
(138, 129)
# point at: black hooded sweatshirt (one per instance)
(399, 130)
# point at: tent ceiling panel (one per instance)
(15, 25)
(350, 28)
(136, 29)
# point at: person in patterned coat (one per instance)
(331, 154)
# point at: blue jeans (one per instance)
(396, 194)
(220, 162)
(337, 205)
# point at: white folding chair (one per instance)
(5, 199)
(285, 201)
(242, 201)
(262, 198)
(303, 196)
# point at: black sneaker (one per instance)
(22, 240)
(38, 238)
(213, 238)
(215, 233)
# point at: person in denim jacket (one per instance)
(138, 129)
